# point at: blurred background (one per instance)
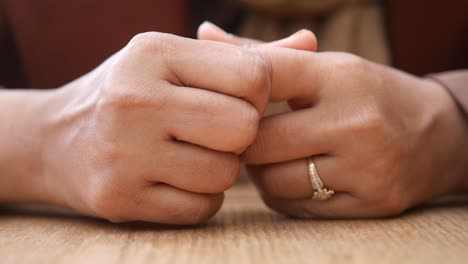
(47, 43)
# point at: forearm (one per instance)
(21, 115)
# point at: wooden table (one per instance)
(245, 231)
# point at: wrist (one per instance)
(21, 137)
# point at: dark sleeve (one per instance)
(456, 82)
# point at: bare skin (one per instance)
(384, 140)
(153, 134)
(156, 132)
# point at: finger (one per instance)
(168, 205)
(294, 74)
(300, 75)
(208, 65)
(196, 169)
(212, 120)
(290, 180)
(302, 40)
(340, 205)
(294, 135)
(209, 31)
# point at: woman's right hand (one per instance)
(382, 139)
(154, 133)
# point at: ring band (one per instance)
(320, 193)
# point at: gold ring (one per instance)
(320, 193)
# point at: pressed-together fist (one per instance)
(154, 133)
(383, 140)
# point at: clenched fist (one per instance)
(382, 139)
(154, 133)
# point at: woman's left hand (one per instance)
(382, 139)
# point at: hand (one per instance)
(382, 139)
(154, 133)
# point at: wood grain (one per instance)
(245, 231)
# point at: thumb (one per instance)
(302, 40)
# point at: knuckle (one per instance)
(353, 67)
(352, 64)
(115, 101)
(393, 203)
(217, 174)
(120, 100)
(150, 42)
(257, 75)
(249, 120)
(108, 190)
(142, 37)
(125, 86)
(158, 45)
(143, 42)
(389, 199)
(106, 157)
(257, 149)
(229, 174)
(104, 201)
(396, 199)
(204, 209)
(119, 96)
(368, 121)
